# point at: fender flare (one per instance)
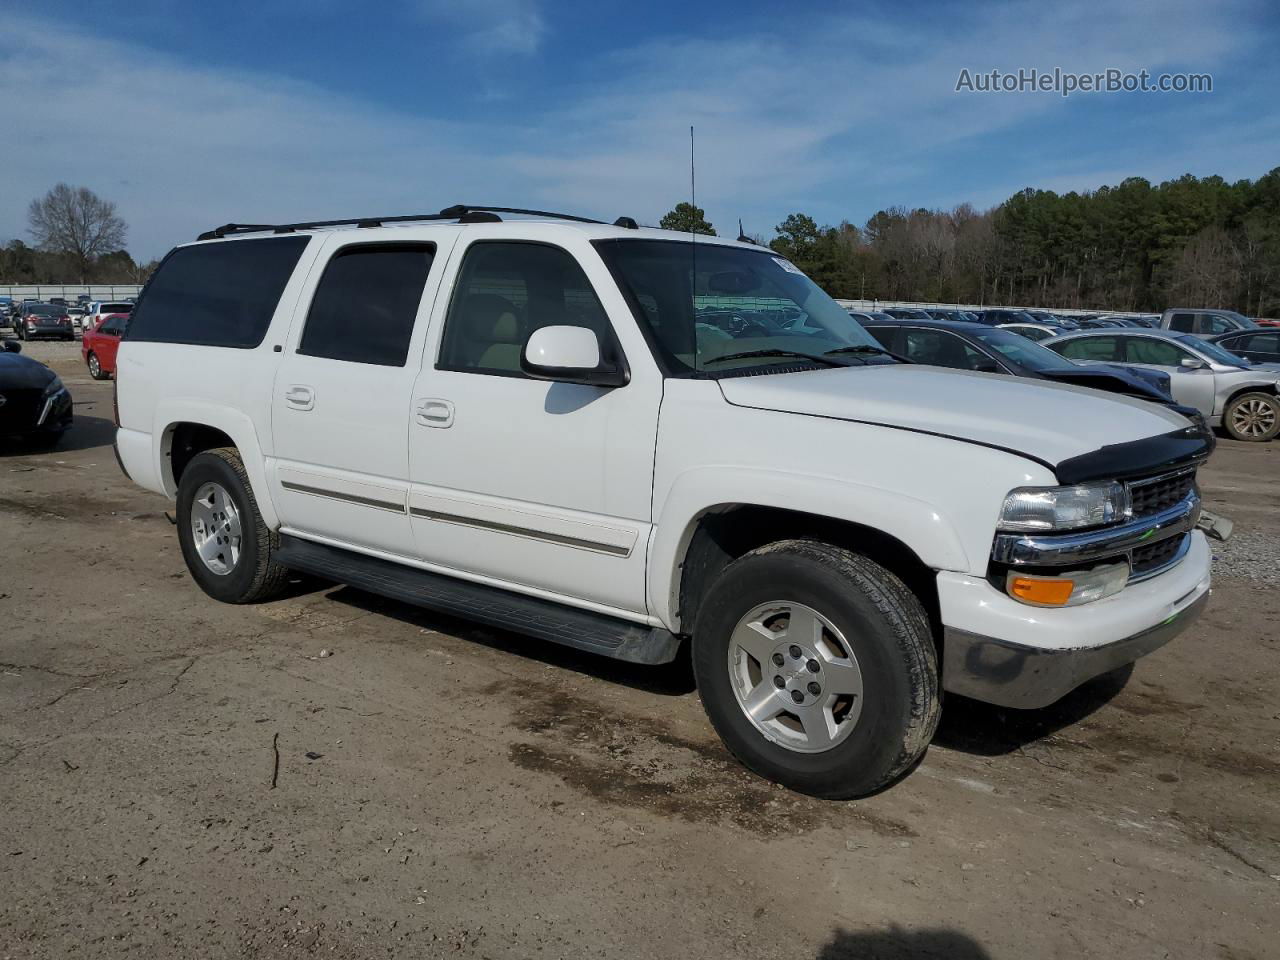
(919, 525)
(236, 425)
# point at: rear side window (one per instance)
(1089, 348)
(1182, 322)
(216, 294)
(116, 308)
(365, 304)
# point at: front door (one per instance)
(542, 487)
(340, 409)
(1193, 387)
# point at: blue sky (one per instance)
(189, 115)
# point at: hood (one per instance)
(1133, 381)
(1045, 421)
(21, 373)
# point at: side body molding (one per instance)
(919, 525)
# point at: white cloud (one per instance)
(491, 26)
(836, 117)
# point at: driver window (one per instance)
(1211, 323)
(1149, 350)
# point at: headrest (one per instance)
(489, 318)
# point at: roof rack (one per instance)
(462, 212)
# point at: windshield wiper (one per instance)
(751, 354)
(867, 348)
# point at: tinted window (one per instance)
(504, 292)
(1212, 323)
(365, 304)
(217, 294)
(116, 308)
(1089, 348)
(1150, 350)
(1253, 342)
(1182, 321)
(944, 350)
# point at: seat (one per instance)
(492, 332)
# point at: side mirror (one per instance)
(11, 346)
(1190, 363)
(570, 355)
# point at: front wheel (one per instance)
(817, 667)
(228, 549)
(1252, 417)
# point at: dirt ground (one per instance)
(448, 791)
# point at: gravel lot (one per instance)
(443, 790)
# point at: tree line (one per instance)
(79, 238)
(1186, 242)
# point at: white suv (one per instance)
(626, 439)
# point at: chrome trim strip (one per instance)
(348, 497)
(1148, 481)
(1054, 550)
(609, 548)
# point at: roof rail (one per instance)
(462, 212)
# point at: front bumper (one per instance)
(1004, 652)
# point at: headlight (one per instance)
(1047, 509)
(54, 387)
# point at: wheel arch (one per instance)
(190, 429)
(913, 535)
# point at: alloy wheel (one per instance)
(215, 528)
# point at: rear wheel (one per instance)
(1252, 417)
(95, 367)
(817, 668)
(228, 549)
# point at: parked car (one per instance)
(529, 424)
(1231, 392)
(7, 309)
(984, 349)
(907, 313)
(995, 318)
(99, 346)
(45, 321)
(959, 315)
(1204, 323)
(1033, 331)
(34, 405)
(867, 316)
(77, 314)
(99, 309)
(1053, 319)
(1256, 346)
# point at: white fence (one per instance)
(69, 291)
(905, 304)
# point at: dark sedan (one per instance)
(1260, 346)
(983, 349)
(44, 321)
(33, 402)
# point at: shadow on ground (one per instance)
(897, 944)
(982, 729)
(85, 433)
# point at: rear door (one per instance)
(1259, 347)
(106, 341)
(341, 401)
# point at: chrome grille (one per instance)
(1147, 561)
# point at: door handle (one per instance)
(434, 413)
(300, 397)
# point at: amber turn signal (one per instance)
(1048, 592)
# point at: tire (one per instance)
(889, 659)
(95, 367)
(1252, 417)
(249, 571)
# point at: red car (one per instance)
(99, 345)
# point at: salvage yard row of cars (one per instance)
(584, 433)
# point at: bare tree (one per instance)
(76, 222)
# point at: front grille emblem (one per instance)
(3, 401)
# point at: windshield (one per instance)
(699, 303)
(1213, 351)
(1020, 350)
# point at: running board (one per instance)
(580, 629)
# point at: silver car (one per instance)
(1232, 393)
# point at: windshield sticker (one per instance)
(787, 265)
